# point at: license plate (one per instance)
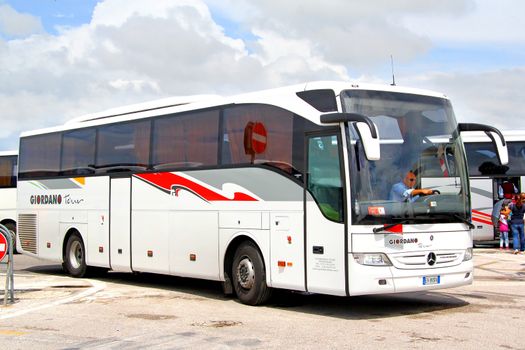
(430, 280)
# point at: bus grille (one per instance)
(27, 232)
(418, 260)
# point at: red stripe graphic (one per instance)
(395, 229)
(477, 212)
(482, 221)
(173, 182)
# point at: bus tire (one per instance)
(249, 276)
(75, 256)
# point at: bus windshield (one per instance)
(421, 176)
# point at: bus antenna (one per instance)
(393, 76)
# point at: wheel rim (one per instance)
(76, 254)
(245, 273)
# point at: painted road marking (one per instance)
(96, 287)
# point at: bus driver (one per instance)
(404, 191)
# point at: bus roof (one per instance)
(480, 136)
(284, 97)
(8, 153)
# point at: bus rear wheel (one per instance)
(248, 275)
(75, 256)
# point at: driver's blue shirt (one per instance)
(401, 193)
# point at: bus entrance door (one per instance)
(325, 233)
(483, 199)
(120, 224)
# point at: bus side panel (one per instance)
(482, 204)
(8, 204)
(150, 241)
(325, 253)
(97, 193)
(194, 244)
(150, 225)
(120, 224)
(287, 250)
(50, 237)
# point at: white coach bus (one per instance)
(489, 180)
(285, 188)
(8, 173)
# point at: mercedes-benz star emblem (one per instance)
(431, 259)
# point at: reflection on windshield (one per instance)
(421, 176)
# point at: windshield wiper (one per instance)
(456, 216)
(465, 221)
(389, 226)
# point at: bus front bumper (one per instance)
(389, 279)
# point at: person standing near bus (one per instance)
(507, 190)
(504, 228)
(516, 224)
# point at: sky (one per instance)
(60, 59)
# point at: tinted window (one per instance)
(482, 159)
(322, 100)
(516, 158)
(123, 146)
(78, 152)
(188, 140)
(324, 175)
(8, 171)
(40, 155)
(278, 140)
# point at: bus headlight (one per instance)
(372, 259)
(468, 254)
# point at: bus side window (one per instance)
(7, 172)
(123, 146)
(78, 152)
(278, 124)
(40, 155)
(186, 141)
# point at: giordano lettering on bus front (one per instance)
(56, 199)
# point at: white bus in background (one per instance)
(285, 188)
(488, 178)
(8, 173)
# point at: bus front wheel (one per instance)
(75, 256)
(249, 277)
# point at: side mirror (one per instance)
(365, 127)
(494, 134)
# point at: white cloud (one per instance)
(489, 22)
(494, 98)
(15, 24)
(137, 50)
(149, 53)
(355, 33)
